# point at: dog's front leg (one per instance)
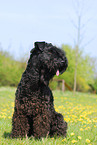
(41, 124)
(20, 125)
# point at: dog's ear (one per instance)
(40, 45)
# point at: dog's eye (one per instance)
(54, 52)
(49, 53)
(62, 61)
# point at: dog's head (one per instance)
(50, 60)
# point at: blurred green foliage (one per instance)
(94, 85)
(11, 71)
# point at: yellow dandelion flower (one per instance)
(87, 128)
(64, 140)
(4, 110)
(3, 116)
(79, 137)
(74, 141)
(12, 104)
(72, 133)
(56, 109)
(84, 126)
(71, 121)
(87, 141)
(9, 117)
(81, 129)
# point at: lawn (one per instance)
(80, 111)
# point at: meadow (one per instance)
(79, 110)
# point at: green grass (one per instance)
(80, 111)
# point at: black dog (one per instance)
(34, 113)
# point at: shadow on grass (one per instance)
(7, 135)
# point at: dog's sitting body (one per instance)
(34, 113)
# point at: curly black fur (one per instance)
(34, 113)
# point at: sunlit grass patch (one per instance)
(80, 111)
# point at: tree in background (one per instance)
(95, 85)
(80, 26)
